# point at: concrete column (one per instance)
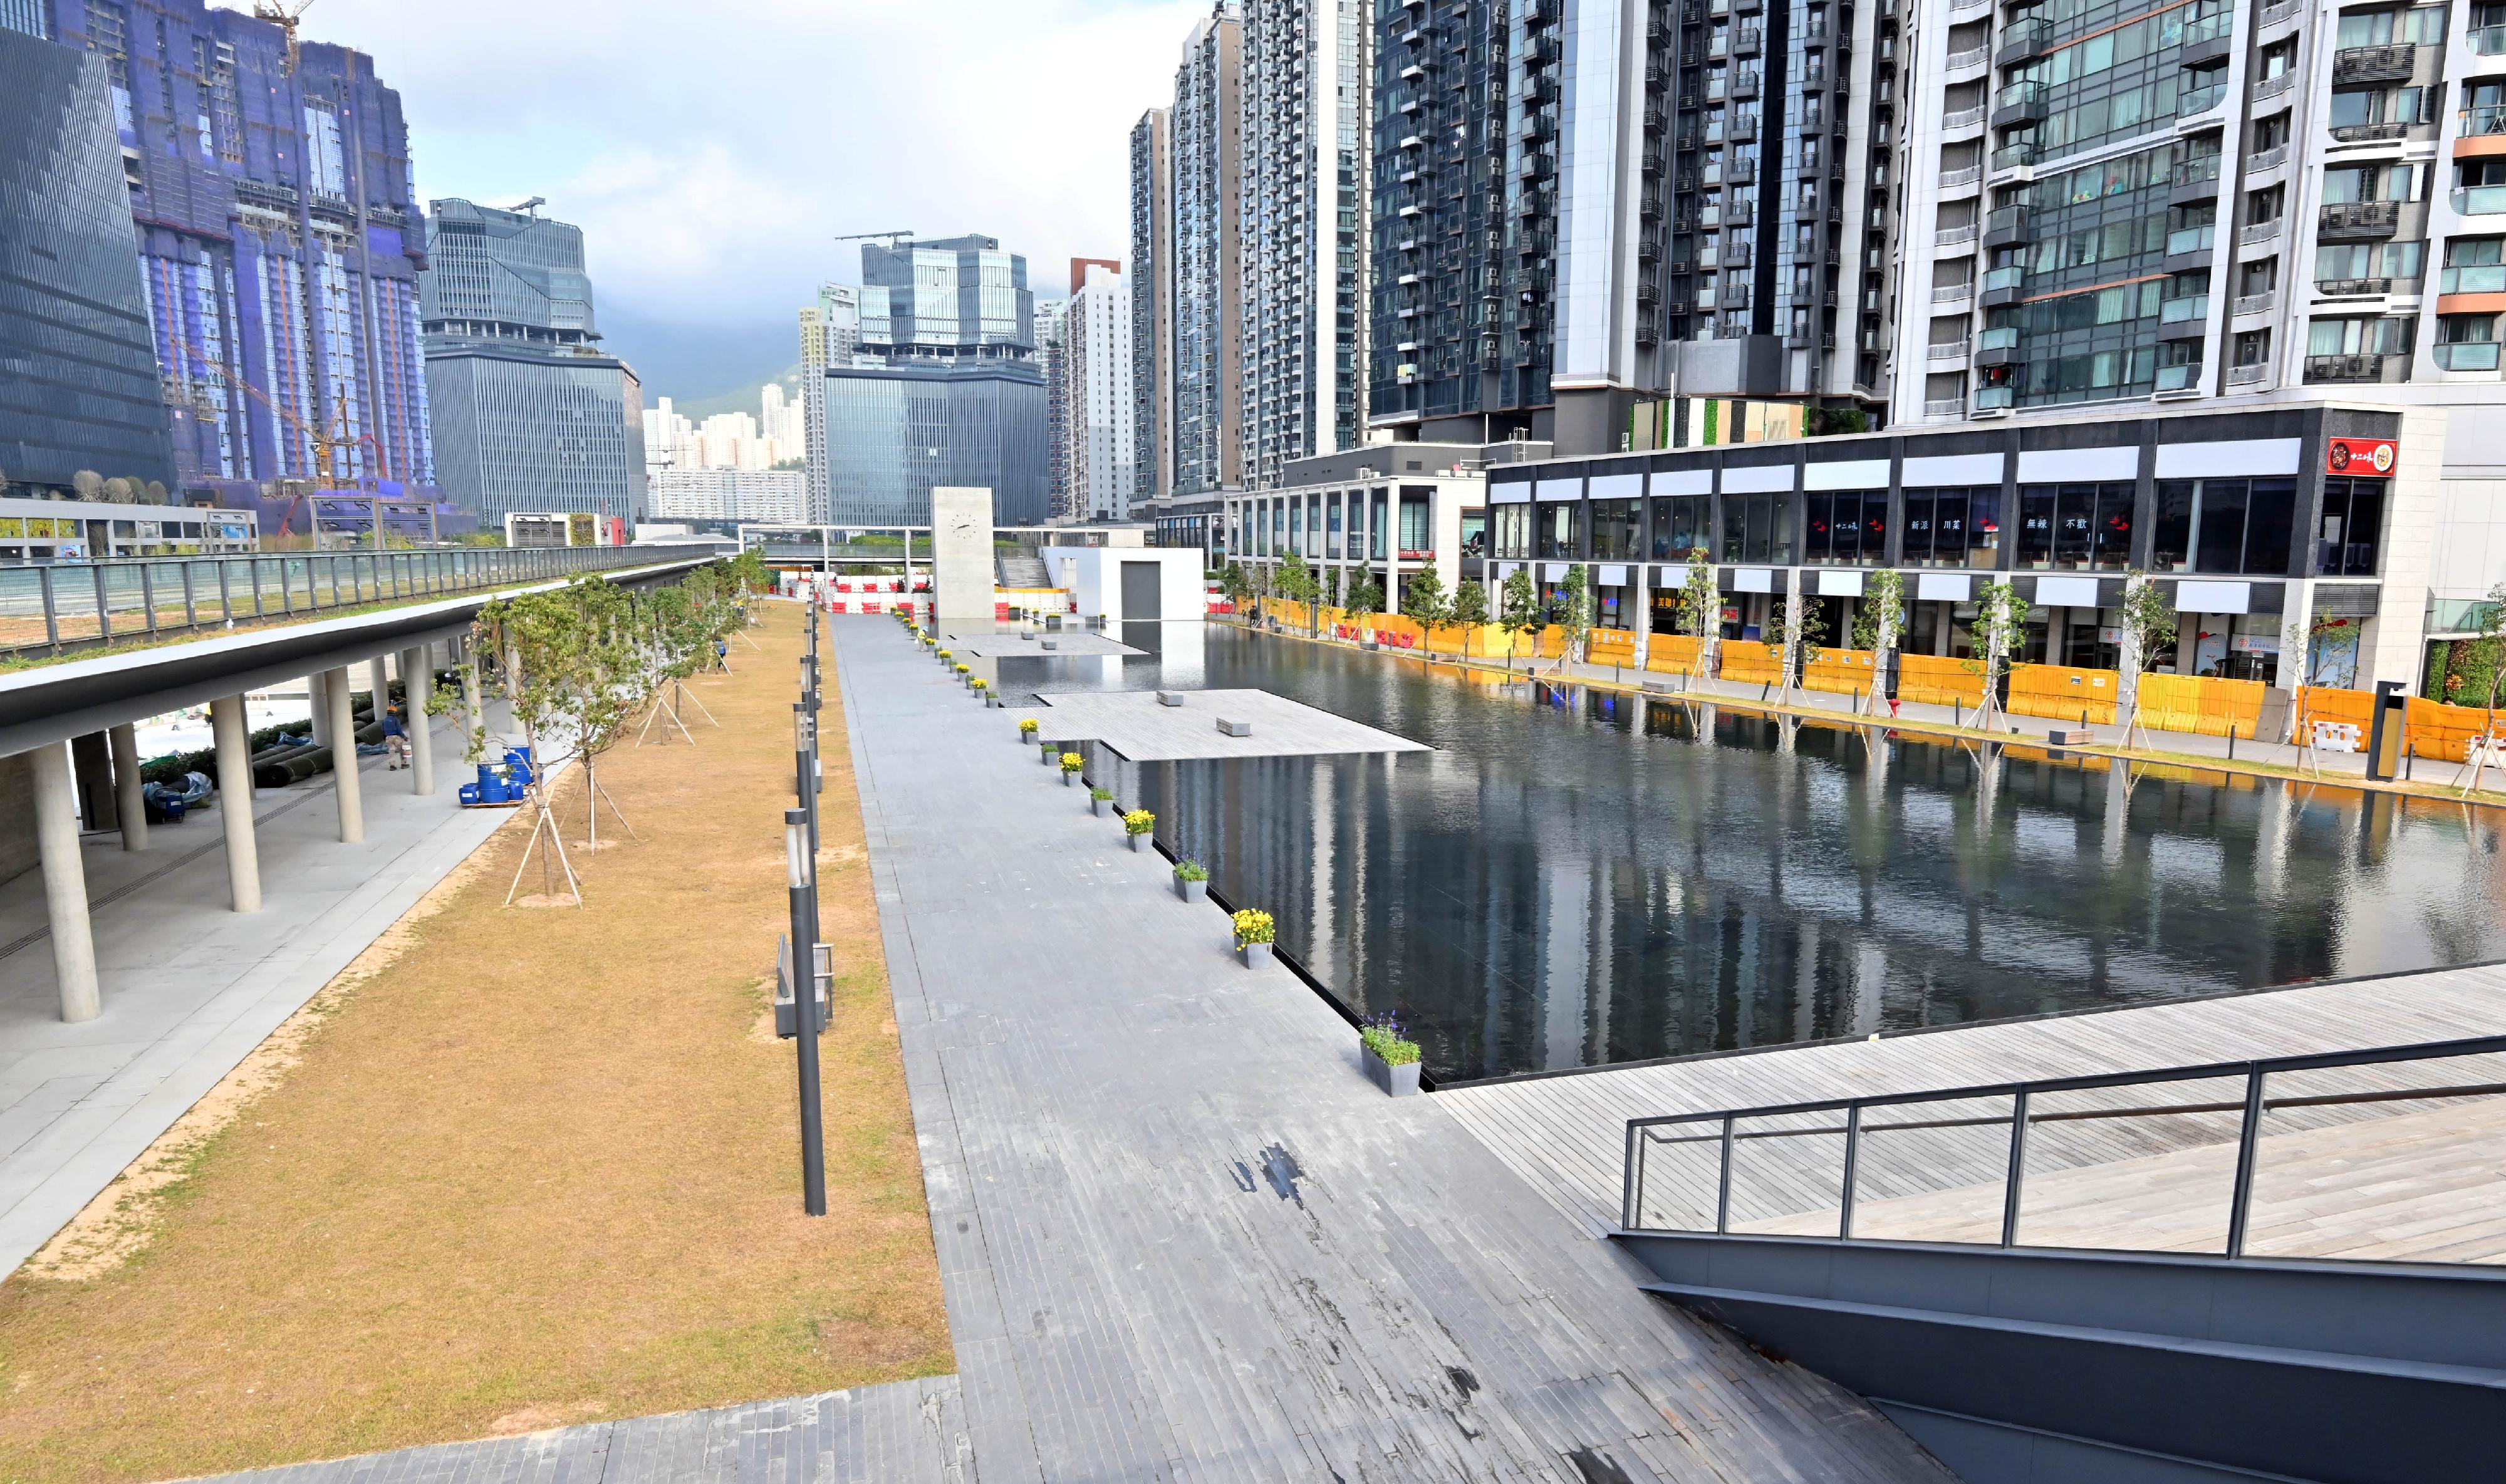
(125, 740)
(1642, 620)
(344, 758)
(91, 783)
(416, 678)
(474, 719)
(317, 687)
(56, 836)
(233, 739)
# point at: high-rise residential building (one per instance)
(529, 413)
(279, 241)
(724, 496)
(1049, 316)
(78, 395)
(830, 334)
(1094, 367)
(942, 389)
(1302, 223)
(1152, 330)
(1204, 267)
(1582, 207)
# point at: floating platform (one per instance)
(1137, 725)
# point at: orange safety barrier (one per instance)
(1750, 662)
(1838, 672)
(2064, 693)
(2433, 729)
(2200, 703)
(1611, 646)
(1673, 654)
(1937, 680)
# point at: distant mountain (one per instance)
(694, 363)
(739, 399)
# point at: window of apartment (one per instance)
(1377, 528)
(2075, 527)
(1953, 527)
(2357, 336)
(2252, 347)
(1512, 539)
(2368, 183)
(2354, 523)
(2367, 267)
(1417, 519)
(1846, 528)
(1758, 528)
(1557, 529)
(2260, 276)
(2473, 266)
(2277, 59)
(2357, 107)
(2271, 133)
(1331, 532)
(2225, 526)
(1615, 530)
(2466, 341)
(2422, 25)
(1681, 524)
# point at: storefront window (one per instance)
(1953, 527)
(2075, 527)
(1376, 530)
(1845, 529)
(1557, 527)
(1615, 530)
(1474, 533)
(2354, 521)
(1331, 535)
(1680, 525)
(1758, 528)
(1417, 528)
(1513, 536)
(2228, 526)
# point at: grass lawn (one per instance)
(520, 1168)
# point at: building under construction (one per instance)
(279, 241)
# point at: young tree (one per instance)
(1701, 608)
(1523, 613)
(2001, 621)
(1365, 601)
(1573, 613)
(1876, 623)
(1233, 586)
(2148, 625)
(1470, 610)
(1425, 603)
(1802, 627)
(1295, 585)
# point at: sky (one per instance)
(712, 149)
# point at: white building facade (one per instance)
(1095, 374)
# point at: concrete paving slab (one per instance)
(1135, 725)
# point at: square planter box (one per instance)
(1143, 842)
(1026, 738)
(1192, 890)
(1047, 754)
(1070, 780)
(1397, 1082)
(1255, 955)
(1098, 806)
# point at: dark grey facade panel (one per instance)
(895, 432)
(78, 376)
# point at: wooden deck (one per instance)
(2415, 1180)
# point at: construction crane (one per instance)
(284, 15)
(324, 472)
(530, 209)
(893, 237)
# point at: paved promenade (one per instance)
(190, 986)
(1183, 1237)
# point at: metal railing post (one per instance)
(104, 613)
(52, 613)
(148, 592)
(1632, 1179)
(2248, 1137)
(2018, 1168)
(1723, 1185)
(191, 601)
(1853, 1157)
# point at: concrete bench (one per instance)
(1234, 728)
(1169, 697)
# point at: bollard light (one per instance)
(798, 867)
(800, 863)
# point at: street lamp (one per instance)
(801, 860)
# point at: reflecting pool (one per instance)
(1576, 877)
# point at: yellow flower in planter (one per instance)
(979, 685)
(1254, 925)
(963, 669)
(1139, 822)
(1072, 762)
(1026, 727)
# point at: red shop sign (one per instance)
(2360, 455)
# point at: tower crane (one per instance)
(893, 237)
(284, 13)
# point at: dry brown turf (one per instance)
(540, 1168)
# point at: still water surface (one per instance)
(1577, 878)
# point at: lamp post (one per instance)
(801, 858)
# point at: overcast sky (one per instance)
(711, 147)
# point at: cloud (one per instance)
(710, 152)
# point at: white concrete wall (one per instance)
(1094, 575)
(961, 549)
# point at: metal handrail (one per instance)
(84, 605)
(2250, 1107)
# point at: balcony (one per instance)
(2254, 303)
(2353, 288)
(2479, 200)
(2388, 63)
(2355, 368)
(2487, 119)
(1945, 407)
(2468, 356)
(2351, 220)
(2193, 310)
(2269, 87)
(2472, 278)
(2019, 103)
(2180, 380)
(2253, 374)
(2015, 157)
(2193, 102)
(1994, 399)
(2368, 134)
(1946, 350)
(2283, 10)
(1963, 118)
(2022, 40)
(1744, 84)
(1749, 40)
(2489, 40)
(1997, 346)
(2253, 232)
(2004, 285)
(1958, 182)
(2008, 226)
(1949, 294)
(1973, 57)
(2267, 159)
(2196, 180)
(2191, 243)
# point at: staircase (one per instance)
(2242, 1353)
(1022, 572)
